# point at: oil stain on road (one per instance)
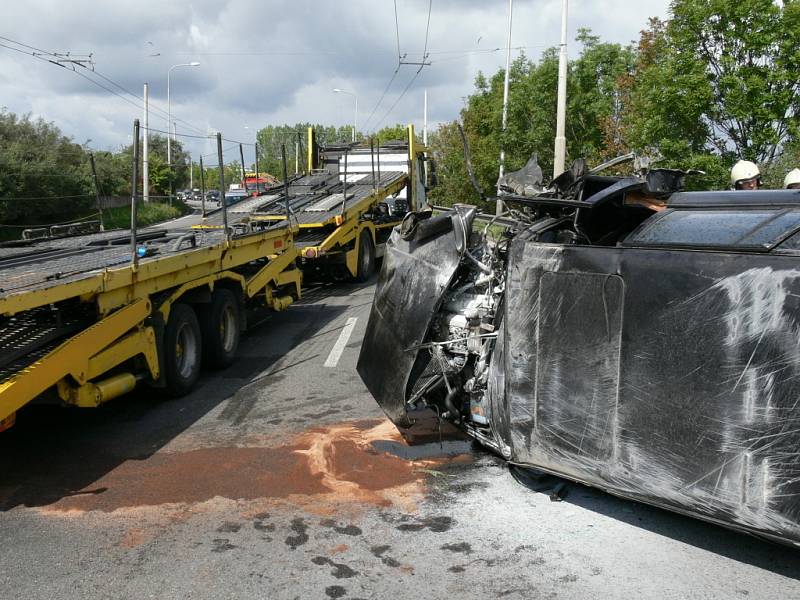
(350, 462)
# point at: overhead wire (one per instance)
(43, 58)
(139, 99)
(43, 55)
(383, 95)
(400, 97)
(427, 30)
(176, 134)
(224, 150)
(397, 29)
(151, 105)
(27, 46)
(394, 75)
(421, 66)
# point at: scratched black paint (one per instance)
(668, 375)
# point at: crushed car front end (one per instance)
(649, 348)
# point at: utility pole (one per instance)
(191, 173)
(170, 166)
(202, 187)
(297, 154)
(97, 191)
(258, 185)
(134, 184)
(425, 120)
(499, 205)
(560, 153)
(285, 183)
(146, 152)
(244, 175)
(222, 189)
(424, 135)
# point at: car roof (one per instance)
(736, 199)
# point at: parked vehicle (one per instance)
(233, 196)
(618, 334)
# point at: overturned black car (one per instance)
(618, 334)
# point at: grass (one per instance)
(146, 214)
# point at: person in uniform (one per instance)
(792, 180)
(745, 175)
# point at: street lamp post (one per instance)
(169, 109)
(560, 152)
(355, 115)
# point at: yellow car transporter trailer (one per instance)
(348, 202)
(89, 316)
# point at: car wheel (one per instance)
(366, 257)
(182, 350)
(221, 326)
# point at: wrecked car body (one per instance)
(620, 335)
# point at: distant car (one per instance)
(234, 196)
(645, 346)
(212, 196)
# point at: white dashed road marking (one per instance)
(341, 343)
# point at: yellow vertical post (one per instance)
(310, 149)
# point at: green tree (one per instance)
(232, 172)
(395, 132)
(113, 173)
(716, 83)
(159, 171)
(295, 138)
(44, 175)
(775, 171)
(594, 113)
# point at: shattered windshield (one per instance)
(721, 228)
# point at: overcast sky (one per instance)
(274, 62)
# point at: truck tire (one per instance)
(183, 350)
(366, 257)
(221, 326)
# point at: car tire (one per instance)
(221, 328)
(366, 257)
(183, 351)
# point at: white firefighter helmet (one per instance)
(744, 170)
(792, 179)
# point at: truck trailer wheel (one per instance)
(182, 350)
(221, 324)
(366, 257)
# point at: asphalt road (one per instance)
(279, 478)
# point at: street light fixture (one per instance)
(169, 108)
(355, 116)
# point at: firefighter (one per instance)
(792, 180)
(745, 175)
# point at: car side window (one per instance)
(758, 229)
(791, 243)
